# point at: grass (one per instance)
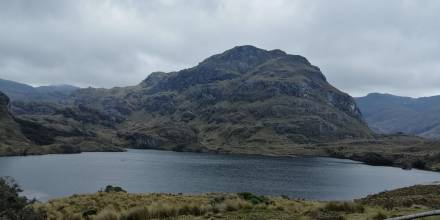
(125, 206)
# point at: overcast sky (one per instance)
(361, 46)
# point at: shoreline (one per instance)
(306, 152)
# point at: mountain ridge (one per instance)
(22, 92)
(388, 113)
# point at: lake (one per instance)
(50, 176)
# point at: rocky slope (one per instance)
(391, 114)
(241, 98)
(12, 140)
(44, 134)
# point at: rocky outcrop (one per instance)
(176, 137)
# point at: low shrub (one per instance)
(111, 188)
(159, 210)
(137, 213)
(13, 206)
(344, 207)
(252, 198)
(379, 216)
(106, 215)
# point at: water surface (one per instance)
(50, 176)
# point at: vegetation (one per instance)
(13, 206)
(114, 205)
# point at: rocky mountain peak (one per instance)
(244, 58)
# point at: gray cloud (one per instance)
(361, 46)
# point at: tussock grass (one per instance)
(125, 206)
(347, 207)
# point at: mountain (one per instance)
(22, 92)
(245, 97)
(387, 113)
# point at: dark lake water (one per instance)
(52, 176)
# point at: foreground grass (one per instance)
(125, 206)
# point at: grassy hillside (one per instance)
(121, 205)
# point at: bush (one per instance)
(111, 188)
(252, 198)
(106, 215)
(158, 210)
(379, 216)
(418, 164)
(344, 207)
(137, 213)
(325, 215)
(13, 206)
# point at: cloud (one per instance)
(361, 46)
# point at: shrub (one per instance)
(137, 213)
(418, 164)
(158, 210)
(325, 215)
(379, 216)
(106, 215)
(13, 206)
(344, 207)
(235, 205)
(111, 188)
(252, 198)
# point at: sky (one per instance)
(361, 46)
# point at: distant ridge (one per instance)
(23, 92)
(386, 113)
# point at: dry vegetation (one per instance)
(125, 206)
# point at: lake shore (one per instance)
(402, 151)
(114, 203)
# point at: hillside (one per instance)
(23, 136)
(25, 93)
(391, 114)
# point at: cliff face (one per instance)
(243, 97)
(12, 141)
